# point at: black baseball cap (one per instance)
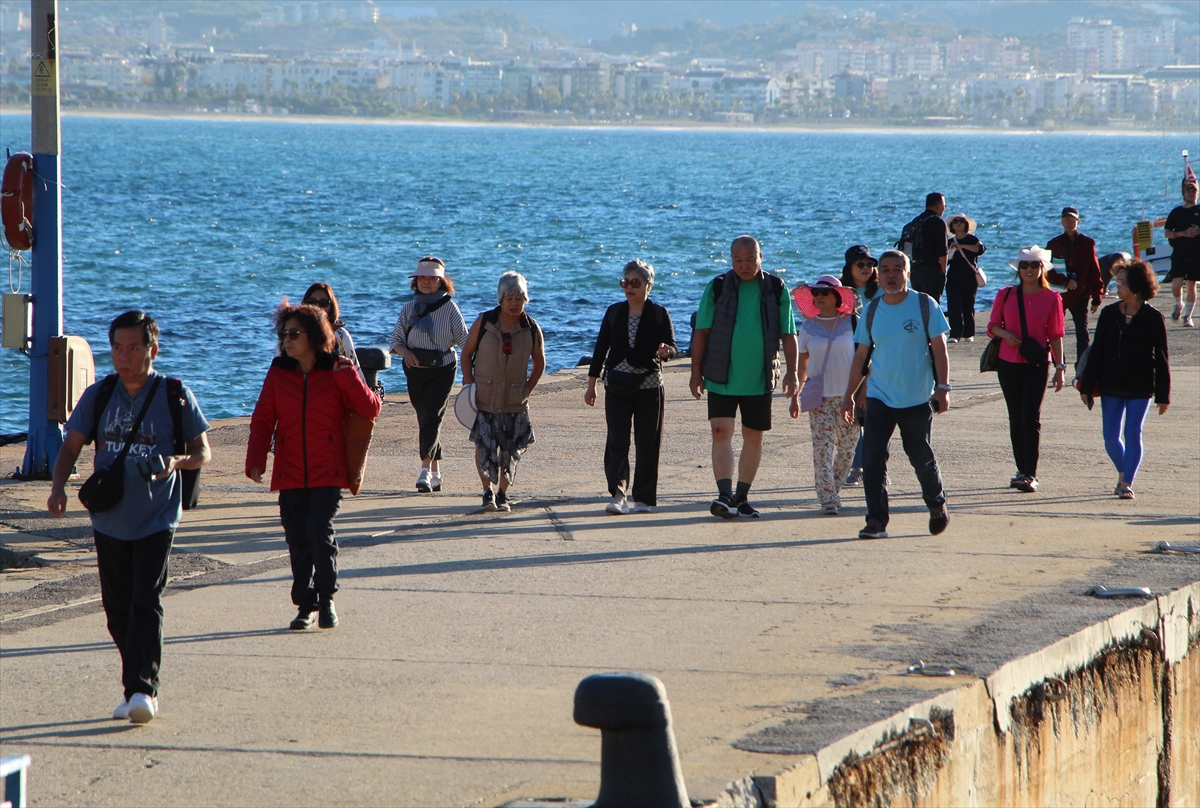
(1070, 211)
(860, 252)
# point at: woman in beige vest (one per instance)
(502, 345)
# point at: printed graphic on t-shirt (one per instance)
(910, 326)
(116, 428)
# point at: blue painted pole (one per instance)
(45, 435)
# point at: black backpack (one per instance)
(913, 235)
(175, 400)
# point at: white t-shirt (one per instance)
(815, 340)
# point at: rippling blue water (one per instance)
(208, 224)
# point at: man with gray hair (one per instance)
(744, 317)
(902, 339)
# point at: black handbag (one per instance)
(106, 487)
(624, 379)
(1030, 349)
(989, 360)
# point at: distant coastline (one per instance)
(661, 124)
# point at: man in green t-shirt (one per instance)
(744, 316)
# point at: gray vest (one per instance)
(715, 366)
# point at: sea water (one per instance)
(208, 224)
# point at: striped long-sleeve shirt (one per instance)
(449, 329)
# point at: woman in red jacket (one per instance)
(303, 403)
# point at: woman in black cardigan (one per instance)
(635, 336)
(1127, 365)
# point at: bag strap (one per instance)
(104, 395)
(1021, 311)
(137, 423)
(175, 405)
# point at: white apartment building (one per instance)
(1106, 38)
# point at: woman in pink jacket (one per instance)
(1028, 317)
(303, 404)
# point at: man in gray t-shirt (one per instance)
(133, 538)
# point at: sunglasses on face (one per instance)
(323, 303)
(290, 333)
(631, 283)
(1029, 265)
(819, 291)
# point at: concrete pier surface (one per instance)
(463, 635)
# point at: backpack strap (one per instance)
(872, 307)
(175, 405)
(104, 395)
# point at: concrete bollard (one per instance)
(639, 764)
(371, 361)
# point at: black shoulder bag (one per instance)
(989, 360)
(1030, 349)
(105, 488)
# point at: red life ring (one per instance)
(16, 201)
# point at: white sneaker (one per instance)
(1177, 311)
(951, 339)
(969, 339)
(618, 505)
(121, 713)
(142, 708)
(641, 507)
(1187, 323)
(424, 481)
(830, 509)
(435, 481)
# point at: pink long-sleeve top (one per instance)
(1043, 314)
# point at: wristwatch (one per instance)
(945, 387)
(1060, 366)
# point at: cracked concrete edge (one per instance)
(1175, 616)
(1168, 615)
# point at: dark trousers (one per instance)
(133, 575)
(307, 516)
(429, 392)
(1079, 313)
(960, 306)
(1024, 388)
(644, 409)
(915, 423)
(930, 279)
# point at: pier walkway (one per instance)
(463, 635)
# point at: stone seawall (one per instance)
(1107, 716)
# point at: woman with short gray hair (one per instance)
(504, 358)
(636, 335)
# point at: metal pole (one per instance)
(45, 435)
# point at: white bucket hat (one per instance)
(1033, 253)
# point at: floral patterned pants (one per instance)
(833, 449)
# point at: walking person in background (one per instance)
(636, 335)
(1183, 231)
(132, 417)
(903, 335)
(321, 295)
(1080, 276)
(743, 319)
(303, 404)
(1129, 365)
(428, 330)
(962, 281)
(861, 274)
(504, 358)
(926, 240)
(826, 351)
(1029, 318)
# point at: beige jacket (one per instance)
(500, 378)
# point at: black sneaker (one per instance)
(302, 621)
(1028, 484)
(328, 615)
(502, 503)
(1015, 482)
(489, 501)
(745, 509)
(723, 508)
(873, 530)
(938, 520)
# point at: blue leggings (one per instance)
(1126, 455)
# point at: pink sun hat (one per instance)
(803, 296)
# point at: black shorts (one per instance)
(756, 410)
(1188, 274)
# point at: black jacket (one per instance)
(1129, 360)
(612, 344)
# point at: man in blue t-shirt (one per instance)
(904, 334)
(133, 537)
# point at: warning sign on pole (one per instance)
(44, 82)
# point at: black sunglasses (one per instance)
(821, 290)
(323, 303)
(1029, 265)
(293, 333)
(631, 283)
(863, 264)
